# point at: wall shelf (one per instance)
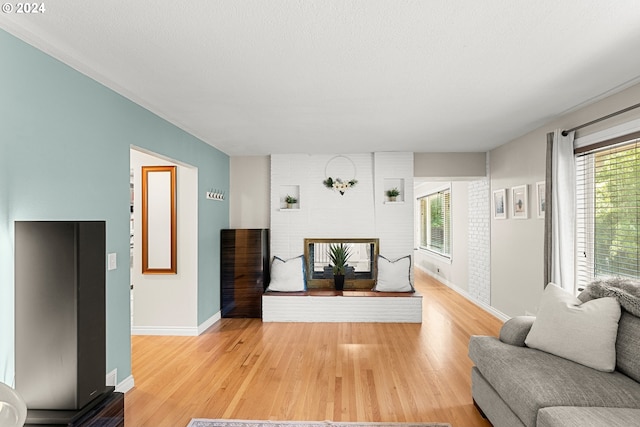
(391, 183)
(289, 190)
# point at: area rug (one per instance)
(202, 422)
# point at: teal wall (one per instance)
(64, 154)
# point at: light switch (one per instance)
(112, 261)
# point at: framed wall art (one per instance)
(519, 198)
(540, 198)
(500, 204)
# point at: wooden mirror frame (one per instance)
(163, 214)
(350, 284)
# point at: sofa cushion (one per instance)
(582, 332)
(529, 379)
(571, 416)
(515, 330)
(628, 345)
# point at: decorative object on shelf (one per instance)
(216, 195)
(392, 194)
(336, 183)
(290, 200)
(339, 254)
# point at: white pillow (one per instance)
(287, 276)
(394, 276)
(582, 332)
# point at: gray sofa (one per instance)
(514, 385)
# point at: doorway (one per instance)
(165, 304)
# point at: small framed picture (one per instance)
(540, 197)
(519, 197)
(500, 204)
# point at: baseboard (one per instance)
(489, 309)
(209, 322)
(177, 331)
(180, 331)
(125, 385)
(112, 378)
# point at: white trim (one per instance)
(209, 322)
(489, 309)
(125, 385)
(177, 331)
(613, 132)
(112, 378)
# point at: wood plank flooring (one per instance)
(369, 372)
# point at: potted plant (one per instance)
(290, 200)
(339, 254)
(393, 194)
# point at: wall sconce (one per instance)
(216, 195)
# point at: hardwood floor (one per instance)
(246, 369)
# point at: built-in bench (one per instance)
(328, 305)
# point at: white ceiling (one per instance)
(254, 77)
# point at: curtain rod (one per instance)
(608, 116)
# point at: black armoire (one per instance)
(60, 348)
(244, 271)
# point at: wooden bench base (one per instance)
(342, 306)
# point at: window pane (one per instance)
(435, 222)
(608, 202)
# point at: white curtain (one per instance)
(563, 212)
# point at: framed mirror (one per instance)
(361, 267)
(159, 246)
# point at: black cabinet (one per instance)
(60, 313)
(244, 271)
(106, 411)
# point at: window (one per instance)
(435, 222)
(608, 211)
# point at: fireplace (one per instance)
(362, 266)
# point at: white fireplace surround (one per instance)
(362, 212)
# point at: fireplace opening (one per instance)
(361, 268)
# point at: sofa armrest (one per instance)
(515, 330)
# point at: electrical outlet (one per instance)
(112, 263)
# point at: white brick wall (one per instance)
(360, 212)
(479, 245)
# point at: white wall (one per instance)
(167, 304)
(360, 212)
(249, 192)
(517, 245)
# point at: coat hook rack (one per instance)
(218, 195)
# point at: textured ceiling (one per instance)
(257, 77)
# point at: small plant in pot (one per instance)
(393, 194)
(290, 200)
(339, 254)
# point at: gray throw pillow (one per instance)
(515, 330)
